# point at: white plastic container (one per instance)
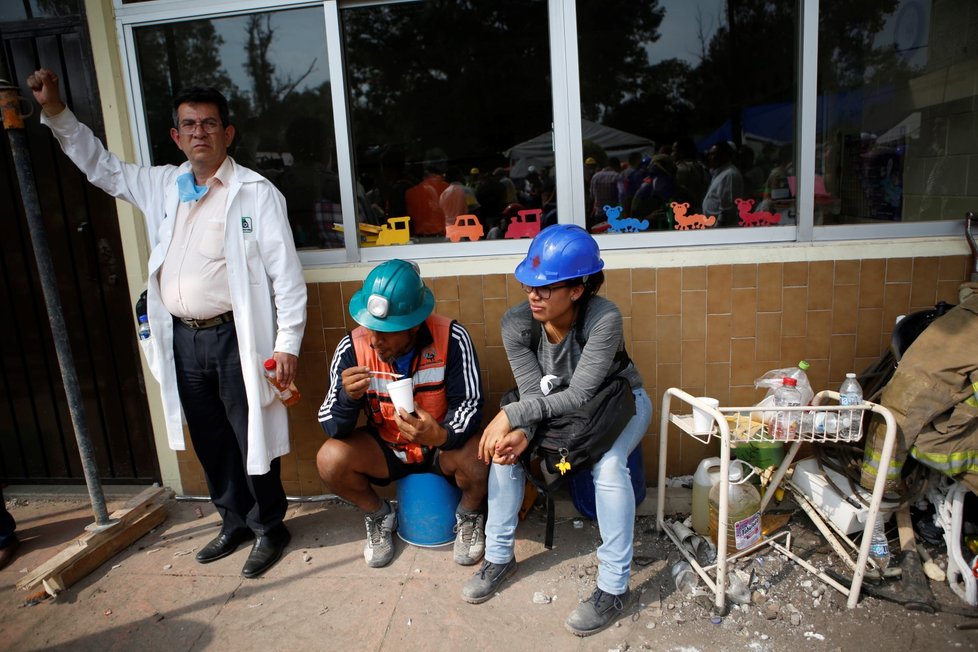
(813, 483)
(707, 474)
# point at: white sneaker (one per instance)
(470, 538)
(379, 550)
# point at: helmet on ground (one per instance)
(559, 253)
(393, 298)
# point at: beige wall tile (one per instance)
(718, 381)
(768, 339)
(819, 330)
(769, 284)
(742, 361)
(694, 278)
(896, 302)
(718, 338)
(670, 338)
(794, 320)
(745, 276)
(445, 287)
(719, 283)
(868, 329)
(331, 304)
(843, 352)
(494, 286)
(872, 276)
(845, 307)
(694, 366)
(847, 272)
(948, 291)
(795, 274)
(714, 338)
(494, 308)
(923, 292)
(644, 317)
(744, 313)
(643, 280)
(668, 290)
(644, 356)
(899, 270)
(954, 268)
(820, 286)
(694, 314)
(618, 288)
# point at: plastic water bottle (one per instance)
(851, 393)
(143, 330)
(786, 423)
(879, 547)
(289, 395)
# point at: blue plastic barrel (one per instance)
(426, 505)
(582, 485)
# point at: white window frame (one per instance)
(568, 147)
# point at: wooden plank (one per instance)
(91, 549)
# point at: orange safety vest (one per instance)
(428, 373)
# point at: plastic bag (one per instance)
(773, 379)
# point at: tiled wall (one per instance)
(707, 330)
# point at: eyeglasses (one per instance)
(543, 292)
(209, 125)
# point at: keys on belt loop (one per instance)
(198, 324)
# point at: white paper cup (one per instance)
(402, 394)
(702, 420)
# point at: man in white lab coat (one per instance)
(225, 292)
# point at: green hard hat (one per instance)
(393, 298)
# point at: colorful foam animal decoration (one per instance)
(685, 222)
(760, 218)
(623, 225)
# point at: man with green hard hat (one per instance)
(400, 336)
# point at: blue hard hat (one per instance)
(393, 298)
(559, 253)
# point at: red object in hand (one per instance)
(288, 394)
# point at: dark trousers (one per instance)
(214, 401)
(7, 524)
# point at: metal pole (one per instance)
(13, 124)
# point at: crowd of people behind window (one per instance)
(646, 186)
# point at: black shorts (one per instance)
(398, 468)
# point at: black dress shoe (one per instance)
(8, 552)
(267, 550)
(223, 545)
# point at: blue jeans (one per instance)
(613, 496)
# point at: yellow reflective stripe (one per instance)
(952, 464)
(871, 462)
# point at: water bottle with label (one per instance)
(143, 330)
(879, 546)
(851, 393)
(786, 423)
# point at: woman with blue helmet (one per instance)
(580, 334)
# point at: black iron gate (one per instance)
(36, 439)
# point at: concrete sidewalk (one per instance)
(321, 596)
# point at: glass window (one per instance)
(688, 111)
(450, 115)
(274, 69)
(896, 111)
(24, 9)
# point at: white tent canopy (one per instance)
(539, 151)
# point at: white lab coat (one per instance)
(264, 275)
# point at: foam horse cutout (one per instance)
(685, 222)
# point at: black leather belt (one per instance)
(198, 324)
